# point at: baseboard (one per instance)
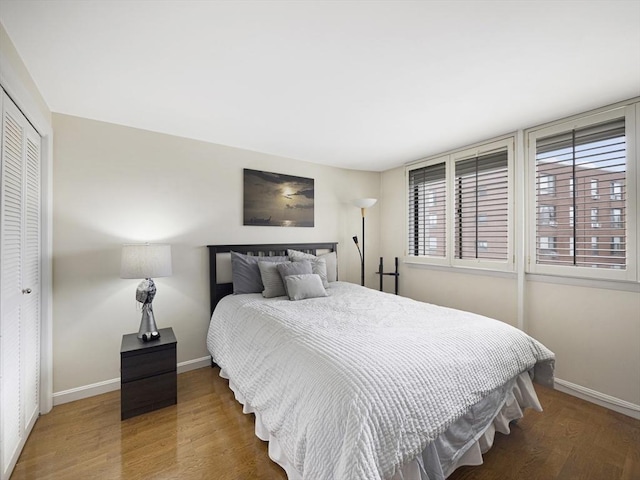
(593, 396)
(93, 389)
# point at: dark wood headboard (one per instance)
(220, 290)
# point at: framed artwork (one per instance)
(277, 200)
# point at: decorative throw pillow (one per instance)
(271, 279)
(246, 274)
(318, 265)
(293, 268)
(305, 286)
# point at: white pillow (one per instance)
(305, 286)
(319, 265)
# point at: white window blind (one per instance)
(571, 168)
(427, 211)
(481, 189)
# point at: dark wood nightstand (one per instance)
(148, 374)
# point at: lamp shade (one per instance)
(145, 261)
(365, 202)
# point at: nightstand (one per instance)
(148, 374)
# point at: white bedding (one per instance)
(357, 384)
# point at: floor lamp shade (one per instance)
(365, 202)
(146, 261)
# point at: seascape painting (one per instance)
(277, 200)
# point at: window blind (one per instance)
(481, 205)
(587, 168)
(427, 211)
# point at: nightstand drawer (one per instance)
(148, 394)
(160, 360)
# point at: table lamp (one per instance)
(146, 261)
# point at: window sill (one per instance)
(621, 285)
(459, 269)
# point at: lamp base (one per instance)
(148, 322)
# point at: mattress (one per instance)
(360, 384)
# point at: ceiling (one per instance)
(366, 85)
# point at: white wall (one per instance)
(115, 185)
(11, 65)
(594, 332)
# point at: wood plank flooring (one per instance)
(206, 436)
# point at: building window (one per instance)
(547, 215)
(616, 191)
(572, 209)
(594, 218)
(432, 245)
(571, 246)
(483, 245)
(547, 245)
(616, 218)
(590, 153)
(594, 189)
(547, 184)
(617, 247)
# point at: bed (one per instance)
(361, 384)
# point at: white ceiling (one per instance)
(359, 84)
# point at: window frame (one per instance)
(508, 265)
(631, 115)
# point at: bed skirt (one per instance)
(462, 444)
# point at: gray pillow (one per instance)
(305, 286)
(293, 268)
(271, 279)
(318, 265)
(245, 273)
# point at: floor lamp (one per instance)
(363, 204)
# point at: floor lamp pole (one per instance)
(363, 257)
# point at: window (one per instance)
(572, 209)
(427, 213)
(547, 215)
(547, 185)
(594, 218)
(463, 201)
(616, 246)
(616, 191)
(571, 160)
(481, 188)
(430, 198)
(594, 189)
(547, 245)
(571, 246)
(616, 218)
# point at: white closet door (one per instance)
(19, 283)
(31, 280)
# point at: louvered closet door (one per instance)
(19, 283)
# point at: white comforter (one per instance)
(358, 383)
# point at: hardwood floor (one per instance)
(206, 436)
